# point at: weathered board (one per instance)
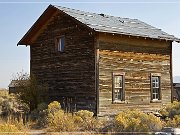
(137, 58)
(70, 74)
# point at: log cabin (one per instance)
(99, 62)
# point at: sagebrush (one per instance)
(82, 120)
(136, 121)
(171, 110)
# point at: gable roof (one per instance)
(104, 23)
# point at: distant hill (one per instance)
(176, 79)
(3, 89)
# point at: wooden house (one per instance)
(101, 63)
(15, 85)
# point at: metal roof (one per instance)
(111, 24)
(176, 85)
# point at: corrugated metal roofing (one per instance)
(111, 24)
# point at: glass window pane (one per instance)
(118, 87)
(60, 44)
(118, 81)
(155, 87)
(155, 82)
(119, 96)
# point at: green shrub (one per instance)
(136, 121)
(40, 114)
(30, 91)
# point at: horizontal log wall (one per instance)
(70, 74)
(137, 58)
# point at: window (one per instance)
(118, 87)
(155, 87)
(60, 43)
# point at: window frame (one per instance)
(158, 75)
(122, 74)
(57, 41)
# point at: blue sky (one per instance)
(16, 17)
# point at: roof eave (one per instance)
(177, 40)
(34, 30)
(143, 36)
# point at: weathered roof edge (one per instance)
(134, 35)
(48, 13)
(69, 10)
(34, 27)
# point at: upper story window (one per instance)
(60, 43)
(155, 87)
(118, 87)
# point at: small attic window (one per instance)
(60, 43)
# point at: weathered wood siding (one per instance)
(70, 74)
(137, 58)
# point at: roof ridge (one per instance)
(96, 22)
(107, 15)
(100, 22)
(57, 6)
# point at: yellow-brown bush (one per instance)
(171, 110)
(84, 114)
(20, 125)
(54, 107)
(136, 121)
(82, 120)
(59, 121)
(175, 122)
(13, 126)
(86, 122)
(8, 128)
